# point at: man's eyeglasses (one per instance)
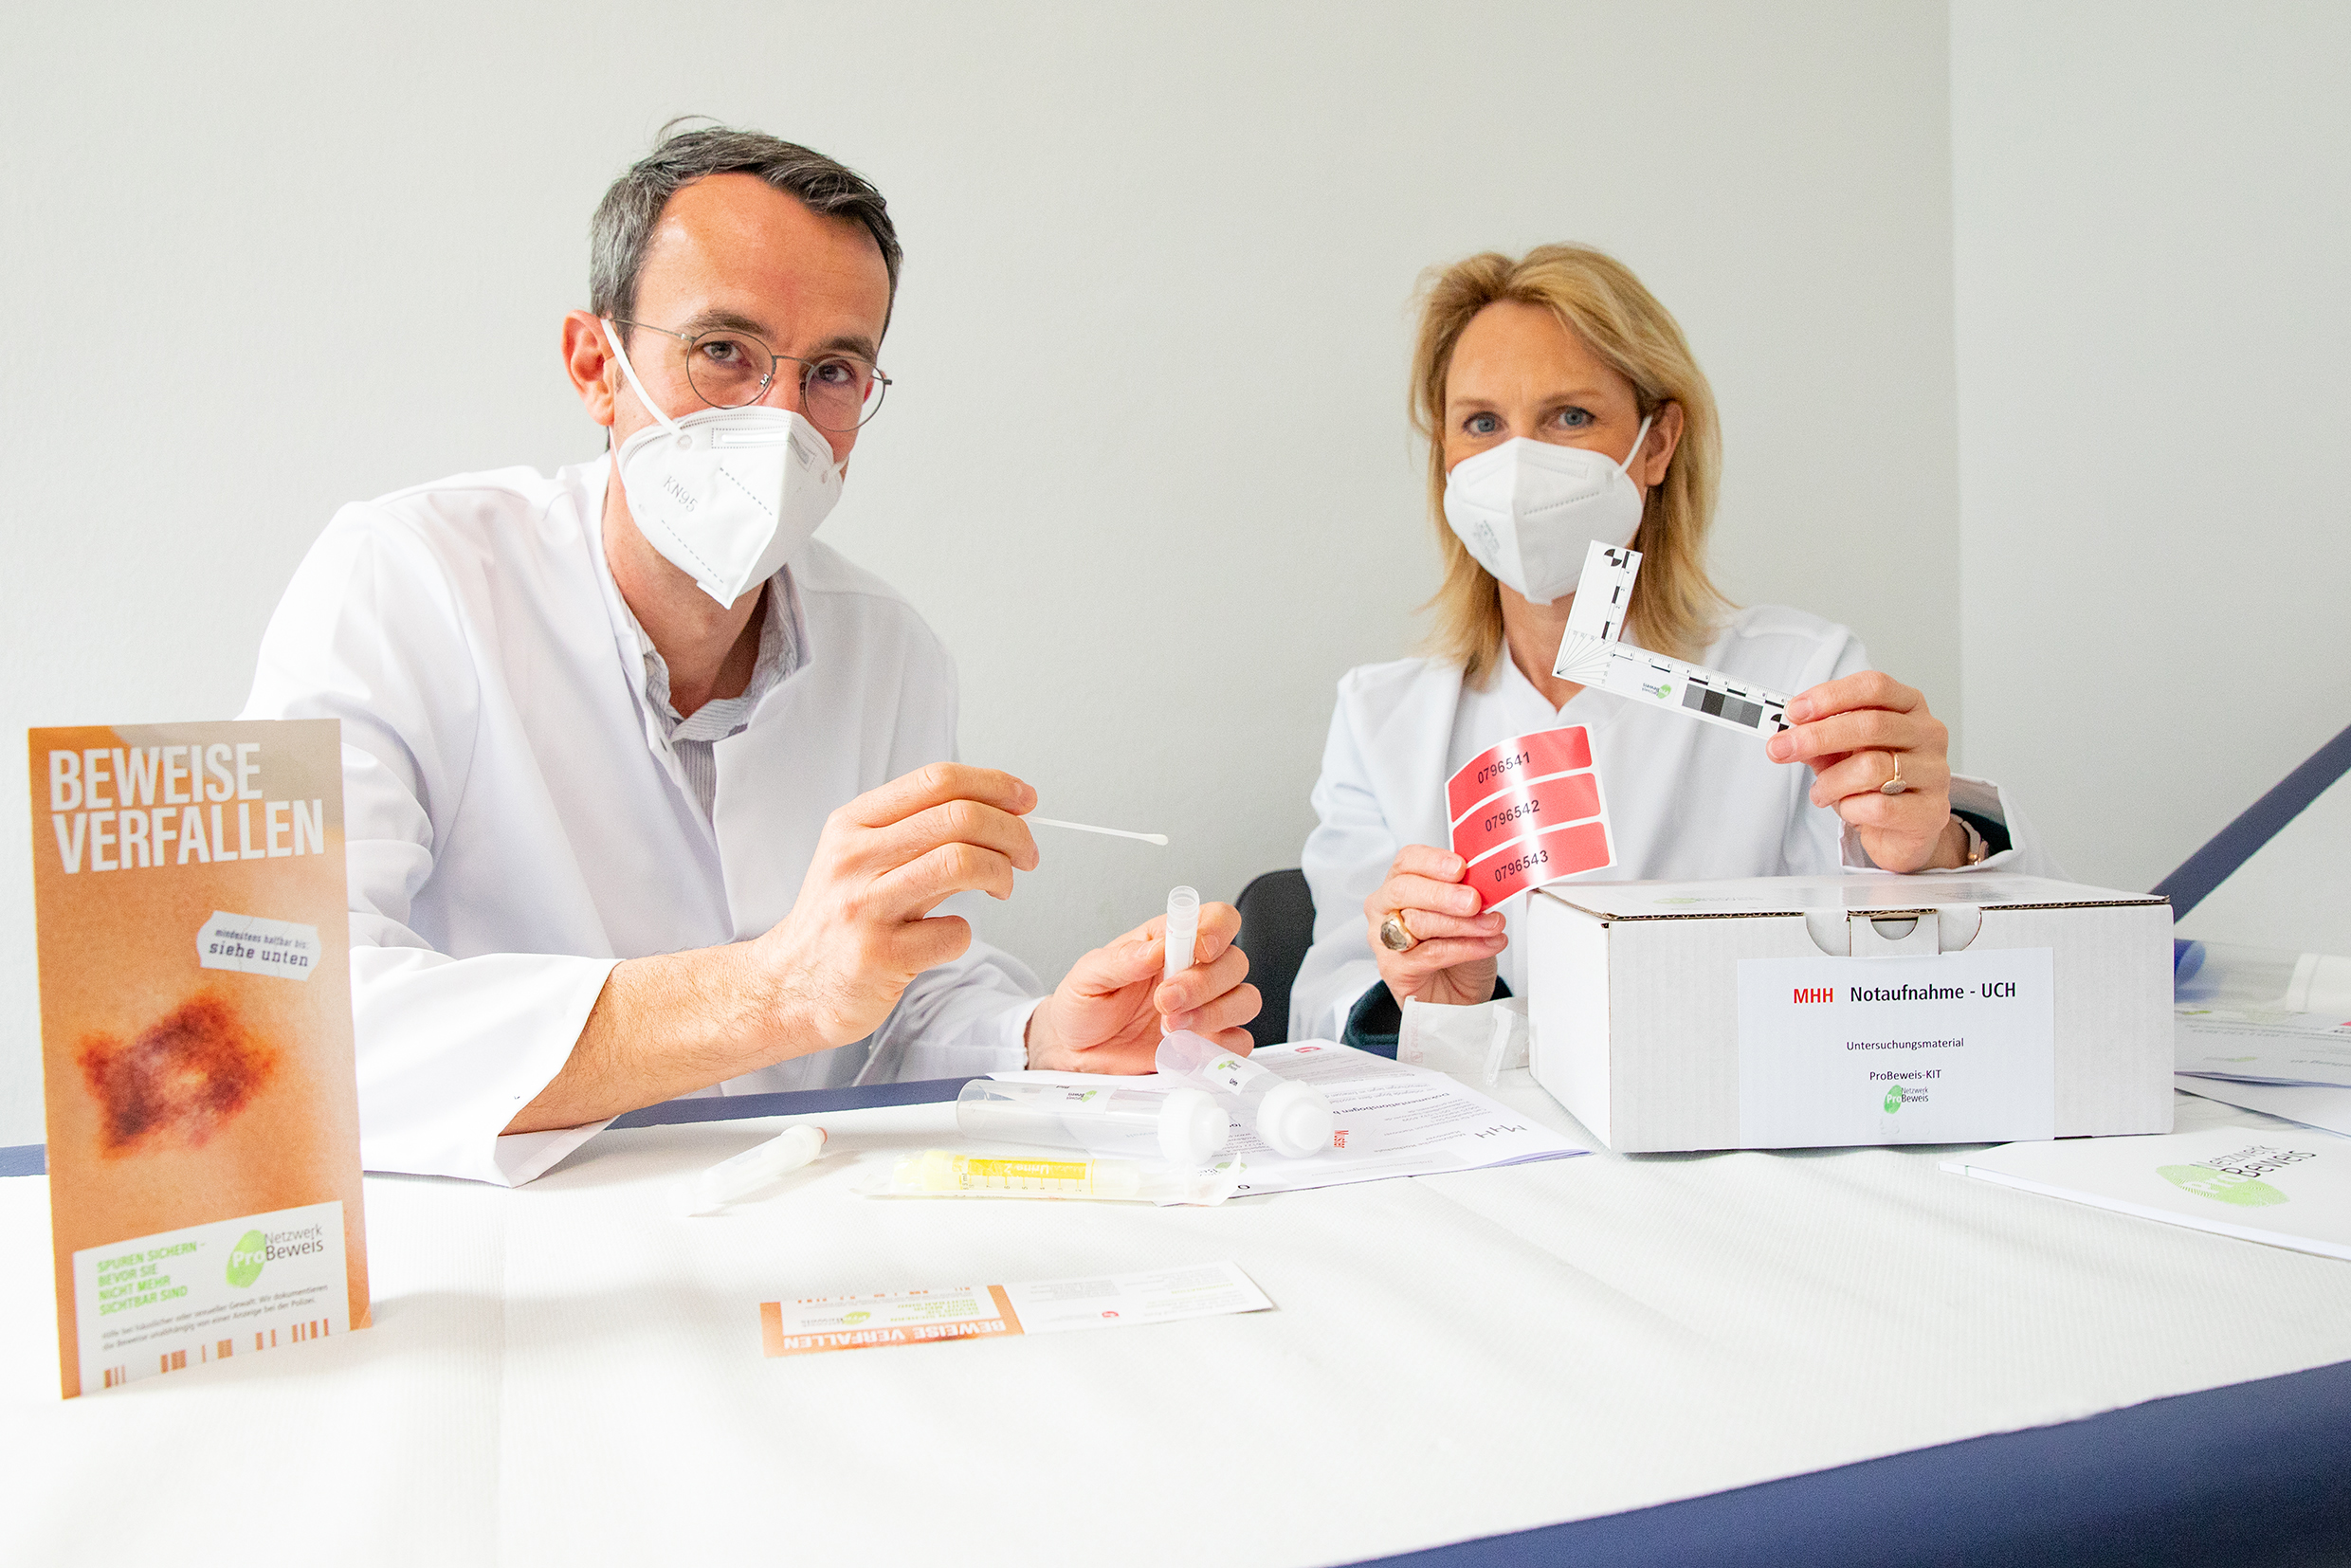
(732, 369)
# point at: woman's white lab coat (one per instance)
(1685, 799)
(516, 821)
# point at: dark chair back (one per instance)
(1277, 927)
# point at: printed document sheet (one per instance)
(2289, 1048)
(2286, 1188)
(2322, 1105)
(1393, 1121)
(1390, 1120)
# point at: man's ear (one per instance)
(588, 360)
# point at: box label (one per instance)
(181, 1298)
(1958, 1048)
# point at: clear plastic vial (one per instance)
(1183, 934)
(1184, 1127)
(1292, 1119)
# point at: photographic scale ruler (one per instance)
(1593, 654)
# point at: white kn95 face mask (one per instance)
(1528, 510)
(726, 495)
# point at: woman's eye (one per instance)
(1481, 424)
(1574, 419)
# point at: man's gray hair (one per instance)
(621, 230)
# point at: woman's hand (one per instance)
(1452, 959)
(1855, 734)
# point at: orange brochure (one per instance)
(195, 1043)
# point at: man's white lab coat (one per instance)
(517, 823)
(1685, 800)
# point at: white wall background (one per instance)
(2154, 311)
(1146, 469)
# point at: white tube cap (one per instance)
(1193, 1129)
(1295, 1121)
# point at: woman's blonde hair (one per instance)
(1597, 297)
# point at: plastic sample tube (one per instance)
(944, 1171)
(755, 1168)
(1291, 1117)
(1184, 1128)
(1183, 934)
(1183, 931)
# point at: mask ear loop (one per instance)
(1625, 468)
(654, 409)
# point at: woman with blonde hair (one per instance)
(1562, 406)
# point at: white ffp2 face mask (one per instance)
(726, 495)
(1528, 510)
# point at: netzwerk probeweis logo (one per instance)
(245, 1259)
(2237, 1177)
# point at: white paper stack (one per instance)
(2282, 1188)
(2292, 1065)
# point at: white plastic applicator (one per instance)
(755, 1168)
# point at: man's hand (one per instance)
(861, 928)
(1106, 1014)
(1854, 733)
(826, 975)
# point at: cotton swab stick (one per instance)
(1159, 839)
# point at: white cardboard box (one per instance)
(1808, 1011)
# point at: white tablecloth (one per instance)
(570, 1374)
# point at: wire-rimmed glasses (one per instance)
(729, 369)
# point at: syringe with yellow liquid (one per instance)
(943, 1172)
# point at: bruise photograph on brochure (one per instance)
(197, 1042)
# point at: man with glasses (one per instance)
(646, 792)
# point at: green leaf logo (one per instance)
(2221, 1186)
(1893, 1099)
(245, 1259)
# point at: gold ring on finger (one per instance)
(1395, 935)
(1894, 785)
